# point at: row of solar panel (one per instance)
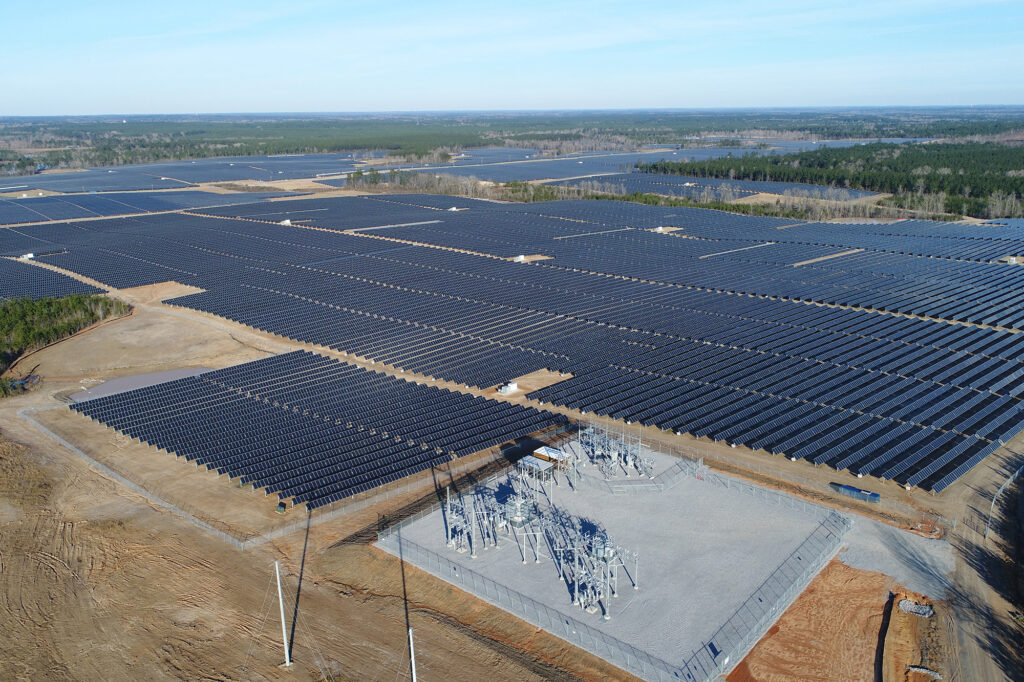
(806, 283)
(603, 252)
(918, 238)
(630, 183)
(569, 292)
(766, 186)
(431, 352)
(481, 321)
(311, 428)
(23, 280)
(314, 305)
(844, 439)
(646, 306)
(867, 386)
(68, 207)
(965, 366)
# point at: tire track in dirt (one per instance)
(506, 650)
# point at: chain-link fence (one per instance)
(158, 501)
(722, 650)
(247, 540)
(768, 495)
(995, 498)
(684, 468)
(364, 500)
(730, 643)
(571, 630)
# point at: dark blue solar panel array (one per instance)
(311, 428)
(905, 374)
(128, 252)
(339, 213)
(630, 183)
(492, 162)
(22, 280)
(704, 330)
(68, 207)
(493, 169)
(955, 241)
(93, 180)
(966, 292)
(178, 174)
(798, 189)
(1011, 222)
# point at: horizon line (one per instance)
(369, 112)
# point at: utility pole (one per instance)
(412, 656)
(284, 629)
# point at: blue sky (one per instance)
(223, 56)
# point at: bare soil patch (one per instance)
(154, 293)
(526, 384)
(830, 633)
(146, 341)
(828, 257)
(60, 171)
(17, 194)
(95, 584)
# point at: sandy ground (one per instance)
(86, 565)
(61, 171)
(95, 583)
(299, 185)
(830, 633)
(767, 198)
(828, 257)
(846, 626)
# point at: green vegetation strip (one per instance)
(984, 180)
(64, 142)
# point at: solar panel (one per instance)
(309, 428)
(724, 326)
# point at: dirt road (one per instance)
(96, 583)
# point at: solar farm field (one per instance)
(50, 208)
(884, 350)
(179, 174)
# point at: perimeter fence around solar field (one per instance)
(242, 540)
(726, 645)
(722, 650)
(774, 470)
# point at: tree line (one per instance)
(785, 206)
(27, 324)
(110, 141)
(984, 180)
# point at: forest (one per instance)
(980, 179)
(27, 144)
(26, 324)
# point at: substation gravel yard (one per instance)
(703, 550)
(919, 564)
